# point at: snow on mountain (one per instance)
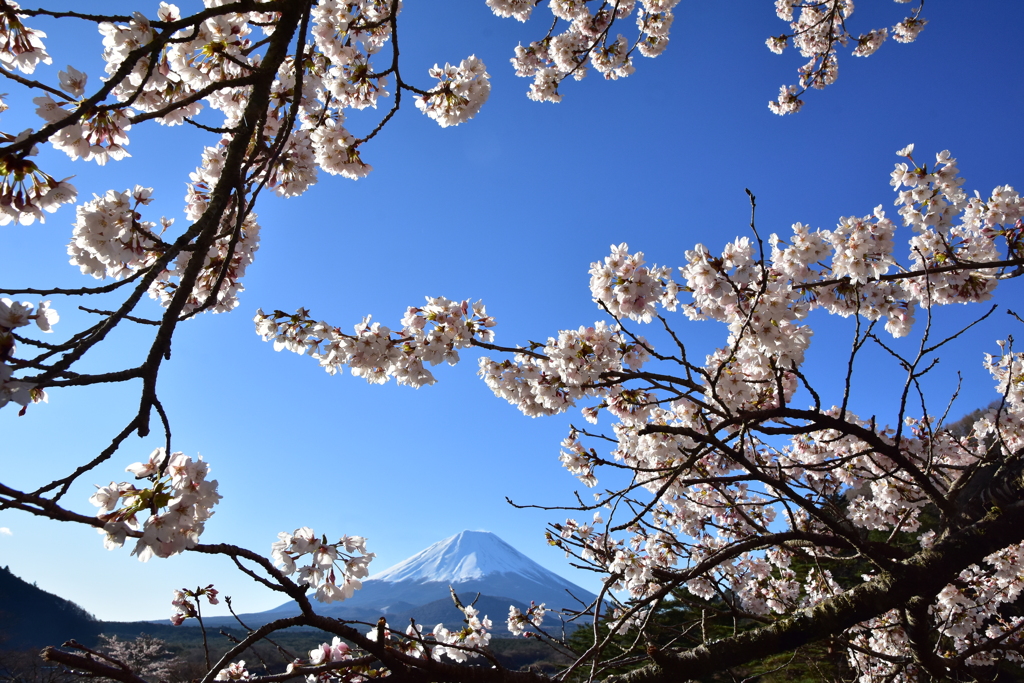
(463, 557)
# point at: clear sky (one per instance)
(510, 208)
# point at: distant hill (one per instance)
(31, 617)
(472, 562)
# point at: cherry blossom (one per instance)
(818, 28)
(26, 191)
(460, 93)
(22, 47)
(109, 240)
(518, 621)
(179, 503)
(348, 556)
(14, 315)
(186, 603)
(234, 672)
(460, 645)
(431, 334)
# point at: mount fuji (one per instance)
(470, 562)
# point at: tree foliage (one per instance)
(145, 656)
(751, 499)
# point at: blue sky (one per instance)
(510, 208)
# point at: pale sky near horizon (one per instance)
(510, 208)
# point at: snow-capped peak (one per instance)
(470, 562)
(463, 557)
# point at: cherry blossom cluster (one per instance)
(15, 314)
(761, 590)
(26, 191)
(712, 516)
(233, 250)
(518, 621)
(968, 612)
(293, 170)
(1008, 370)
(348, 34)
(110, 240)
(99, 136)
(573, 366)
(220, 277)
(206, 65)
(631, 570)
(630, 290)
(335, 652)
(587, 40)
(950, 227)
(186, 603)
(627, 568)
(886, 636)
(179, 501)
(929, 205)
(412, 643)
(217, 52)
(459, 645)
(460, 92)
(625, 620)
(22, 47)
(13, 390)
(235, 671)
(579, 460)
(821, 465)
(879, 501)
(767, 584)
(336, 151)
(968, 616)
(817, 29)
(327, 663)
(430, 335)
(336, 73)
(348, 556)
(762, 336)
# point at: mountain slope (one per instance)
(471, 562)
(30, 617)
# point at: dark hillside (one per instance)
(30, 617)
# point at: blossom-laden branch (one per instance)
(179, 501)
(281, 101)
(711, 483)
(587, 41)
(818, 27)
(91, 663)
